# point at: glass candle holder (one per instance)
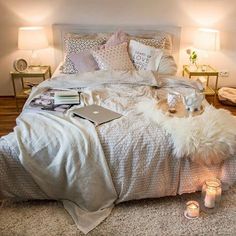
(192, 210)
(211, 193)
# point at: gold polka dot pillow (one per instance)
(113, 58)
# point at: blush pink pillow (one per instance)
(83, 61)
(118, 37)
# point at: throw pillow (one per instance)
(117, 38)
(75, 45)
(113, 58)
(144, 57)
(83, 61)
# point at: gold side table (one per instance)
(43, 72)
(206, 71)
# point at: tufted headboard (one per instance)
(59, 30)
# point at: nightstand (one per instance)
(208, 72)
(43, 72)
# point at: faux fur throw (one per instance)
(208, 138)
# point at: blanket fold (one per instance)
(67, 162)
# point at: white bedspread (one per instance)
(68, 163)
(65, 157)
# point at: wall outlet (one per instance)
(224, 73)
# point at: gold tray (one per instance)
(180, 112)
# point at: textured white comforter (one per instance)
(135, 160)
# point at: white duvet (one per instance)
(90, 168)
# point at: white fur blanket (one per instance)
(208, 138)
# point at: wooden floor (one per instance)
(8, 113)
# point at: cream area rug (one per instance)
(163, 216)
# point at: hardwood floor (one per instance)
(8, 113)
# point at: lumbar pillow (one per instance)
(113, 58)
(144, 57)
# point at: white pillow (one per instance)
(167, 65)
(144, 57)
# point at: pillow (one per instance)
(113, 58)
(167, 65)
(83, 62)
(144, 57)
(157, 40)
(76, 44)
(117, 38)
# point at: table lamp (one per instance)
(207, 40)
(32, 38)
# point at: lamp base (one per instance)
(35, 61)
(35, 68)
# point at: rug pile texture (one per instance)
(163, 216)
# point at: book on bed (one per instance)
(67, 97)
(55, 100)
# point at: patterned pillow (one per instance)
(144, 57)
(158, 40)
(76, 44)
(113, 58)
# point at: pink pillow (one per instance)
(113, 58)
(118, 37)
(83, 61)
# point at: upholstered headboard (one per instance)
(59, 30)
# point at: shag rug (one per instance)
(162, 216)
(208, 138)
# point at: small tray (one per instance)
(180, 112)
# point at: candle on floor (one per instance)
(193, 209)
(211, 193)
(210, 198)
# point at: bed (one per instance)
(53, 155)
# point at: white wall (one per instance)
(189, 14)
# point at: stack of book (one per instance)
(67, 97)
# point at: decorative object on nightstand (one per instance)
(206, 40)
(20, 65)
(32, 38)
(209, 73)
(192, 59)
(43, 72)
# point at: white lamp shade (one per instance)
(32, 38)
(207, 39)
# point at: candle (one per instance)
(210, 198)
(192, 209)
(211, 193)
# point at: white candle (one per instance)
(192, 209)
(210, 198)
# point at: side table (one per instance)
(206, 71)
(43, 72)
